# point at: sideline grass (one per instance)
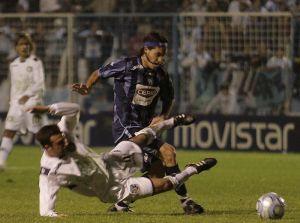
(228, 192)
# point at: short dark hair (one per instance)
(153, 37)
(44, 134)
(24, 35)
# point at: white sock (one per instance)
(6, 147)
(155, 130)
(183, 176)
(161, 126)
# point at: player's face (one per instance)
(23, 48)
(58, 145)
(155, 56)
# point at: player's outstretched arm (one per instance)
(84, 89)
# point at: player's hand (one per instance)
(23, 99)
(39, 109)
(157, 119)
(81, 88)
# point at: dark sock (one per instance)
(181, 191)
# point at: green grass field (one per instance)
(228, 192)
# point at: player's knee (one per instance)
(9, 133)
(168, 155)
(168, 185)
(163, 184)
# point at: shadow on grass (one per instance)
(230, 212)
(206, 213)
(129, 214)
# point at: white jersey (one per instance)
(27, 78)
(83, 170)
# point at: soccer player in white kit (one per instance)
(27, 87)
(66, 162)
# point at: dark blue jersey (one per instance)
(136, 93)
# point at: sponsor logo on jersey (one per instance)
(147, 93)
(144, 95)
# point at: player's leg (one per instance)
(122, 163)
(140, 187)
(157, 169)
(6, 146)
(160, 185)
(168, 156)
(146, 136)
(13, 124)
(124, 160)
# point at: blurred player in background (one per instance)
(139, 82)
(66, 162)
(27, 87)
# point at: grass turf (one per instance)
(228, 192)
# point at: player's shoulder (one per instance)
(121, 62)
(14, 60)
(49, 162)
(134, 63)
(33, 58)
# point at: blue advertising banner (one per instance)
(265, 133)
(209, 132)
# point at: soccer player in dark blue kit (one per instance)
(139, 82)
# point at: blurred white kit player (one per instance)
(66, 162)
(27, 88)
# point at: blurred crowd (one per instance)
(131, 6)
(228, 65)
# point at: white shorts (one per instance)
(122, 163)
(124, 160)
(18, 119)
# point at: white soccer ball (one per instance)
(270, 206)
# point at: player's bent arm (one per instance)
(84, 89)
(94, 77)
(64, 109)
(48, 194)
(69, 112)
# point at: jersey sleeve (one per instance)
(70, 115)
(48, 195)
(38, 84)
(114, 69)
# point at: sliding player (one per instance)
(67, 162)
